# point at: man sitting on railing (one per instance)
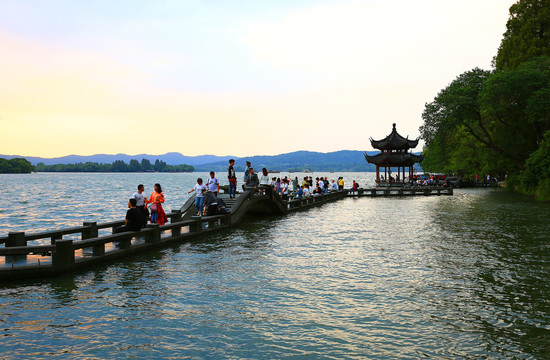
(134, 218)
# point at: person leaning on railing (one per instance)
(252, 180)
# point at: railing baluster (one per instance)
(16, 239)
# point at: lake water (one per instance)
(450, 277)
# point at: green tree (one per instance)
(146, 165)
(453, 116)
(16, 166)
(119, 166)
(5, 166)
(134, 166)
(159, 165)
(536, 177)
(527, 34)
(515, 108)
(504, 112)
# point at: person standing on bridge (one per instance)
(340, 183)
(141, 202)
(264, 178)
(158, 215)
(252, 181)
(199, 189)
(284, 189)
(213, 184)
(264, 183)
(232, 179)
(246, 173)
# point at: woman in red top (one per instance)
(157, 212)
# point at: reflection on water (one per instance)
(444, 277)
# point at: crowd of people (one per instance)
(207, 202)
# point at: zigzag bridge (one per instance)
(63, 256)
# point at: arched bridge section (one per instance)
(261, 201)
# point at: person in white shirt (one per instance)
(284, 189)
(306, 191)
(334, 186)
(213, 184)
(141, 200)
(199, 196)
(264, 178)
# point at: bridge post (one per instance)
(227, 219)
(90, 233)
(125, 243)
(176, 216)
(16, 239)
(212, 224)
(64, 253)
(153, 236)
(197, 227)
(54, 238)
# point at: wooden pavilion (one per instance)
(394, 153)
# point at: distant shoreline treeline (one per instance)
(116, 166)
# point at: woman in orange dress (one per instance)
(158, 215)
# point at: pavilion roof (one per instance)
(394, 141)
(394, 159)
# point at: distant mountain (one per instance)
(344, 160)
(171, 158)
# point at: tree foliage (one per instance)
(454, 130)
(537, 166)
(527, 34)
(488, 121)
(15, 166)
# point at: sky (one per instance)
(232, 77)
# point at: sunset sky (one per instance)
(233, 77)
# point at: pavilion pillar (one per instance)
(377, 173)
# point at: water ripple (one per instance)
(462, 277)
